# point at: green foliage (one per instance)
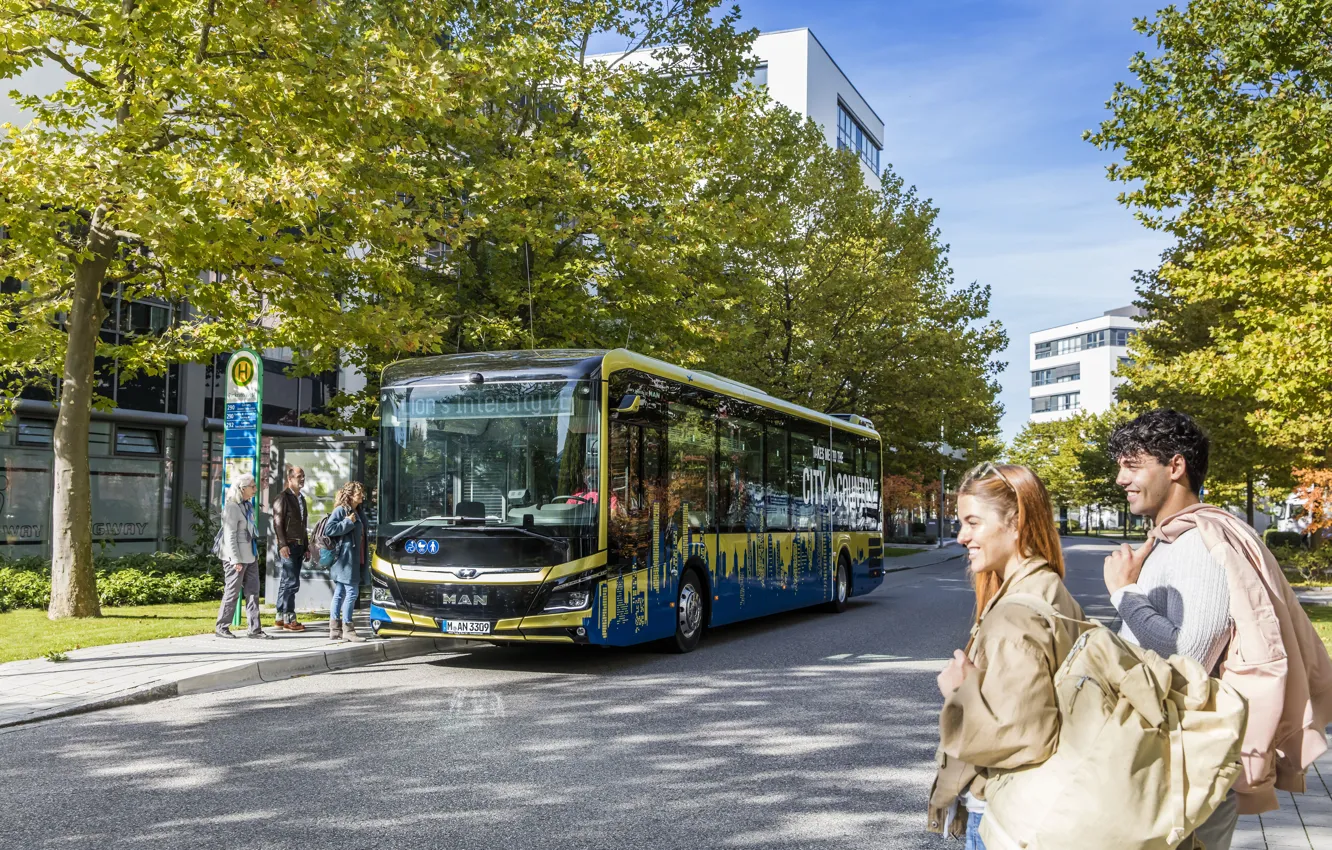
(136, 587)
(55, 656)
(1274, 539)
(203, 530)
(21, 588)
(1223, 139)
(1305, 566)
(1072, 457)
(142, 579)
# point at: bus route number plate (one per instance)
(464, 627)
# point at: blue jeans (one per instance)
(344, 601)
(289, 581)
(973, 832)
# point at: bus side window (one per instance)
(776, 493)
(806, 482)
(741, 494)
(692, 449)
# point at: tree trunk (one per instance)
(73, 582)
(1248, 496)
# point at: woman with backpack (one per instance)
(346, 528)
(1000, 710)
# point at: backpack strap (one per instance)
(1063, 642)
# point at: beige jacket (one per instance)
(1275, 659)
(1005, 715)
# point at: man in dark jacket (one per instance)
(290, 521)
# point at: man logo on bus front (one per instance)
(467, 572)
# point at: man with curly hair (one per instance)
(1205, 586)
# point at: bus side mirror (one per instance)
(629, 404)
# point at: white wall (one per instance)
(1097, 383)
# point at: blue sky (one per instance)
(984, 104)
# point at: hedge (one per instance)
(145, 579)
(1275, 539)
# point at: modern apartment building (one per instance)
(800, 74)
(1073, 366)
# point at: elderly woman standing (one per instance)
(346, 527)
(240, 558)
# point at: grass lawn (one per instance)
(1321, 615)
(26, 633)
(894, 552)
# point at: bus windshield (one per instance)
(496, 453)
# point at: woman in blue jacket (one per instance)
(347, 528)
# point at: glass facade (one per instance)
(851, 136)
(1081, 342)
(131, 490)
(1057, 375)
(1049, 403)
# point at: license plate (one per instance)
(465, 627)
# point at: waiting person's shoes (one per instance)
(349, 634)
(223, 632)
(261, 635)
(293, 626)
(335, 629)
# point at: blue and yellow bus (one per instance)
(604, 497)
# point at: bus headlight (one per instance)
(569, 600)
(382, 596)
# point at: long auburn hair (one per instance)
(349, 490)
(1021, 499)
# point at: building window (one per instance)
(1051, 403)
(1120, 336)
(35, 432)
(141, 442)
(1056, 375)
(851, 136)
(1070, 344)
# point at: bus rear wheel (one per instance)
(842, 586)
(688, 613)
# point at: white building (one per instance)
(1073, 366)
(800, 74)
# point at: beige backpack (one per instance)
(1148, 748)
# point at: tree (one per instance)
(839, 295)
(247, 158)
(1223, 138)
(1243, 464)
(571, 217)
(1056, 451)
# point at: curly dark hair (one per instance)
(1162, 434)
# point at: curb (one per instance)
(246, 673)
(952, 557)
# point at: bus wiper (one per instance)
(563, 544)
(393, 541)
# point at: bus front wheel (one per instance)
(842, 586)
(689, 606)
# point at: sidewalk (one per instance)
(120, 674)
(1304, 821)
(928, 558)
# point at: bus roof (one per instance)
(581, 364)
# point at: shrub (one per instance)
(1290, 539)
(1305, 565)
(136, 587)
(22, 588)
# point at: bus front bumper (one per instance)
(564, 627)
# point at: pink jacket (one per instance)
(1275, 659)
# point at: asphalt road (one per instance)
(803, 730)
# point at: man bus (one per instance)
(605, 497)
